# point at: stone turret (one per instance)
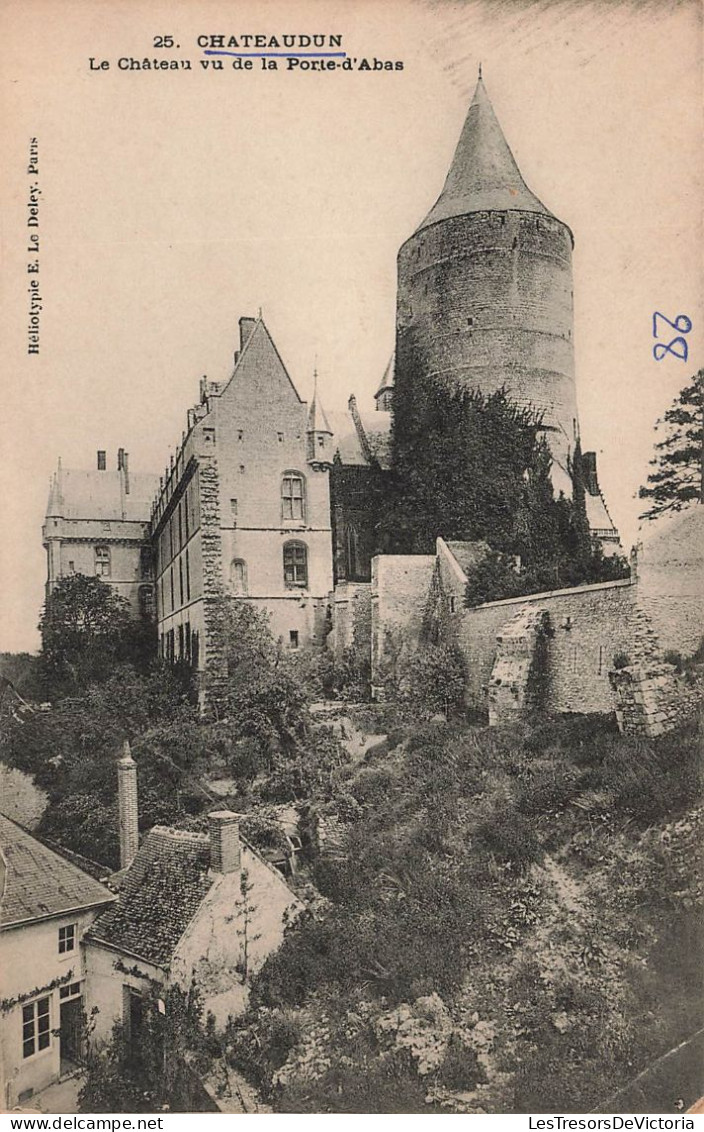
(384, 395)
(485, 288)
(318, 432)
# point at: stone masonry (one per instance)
(519, 675)
(650, 698)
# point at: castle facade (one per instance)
(268, 498)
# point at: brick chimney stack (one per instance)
(128, 812)
(224, 832)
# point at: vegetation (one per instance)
(86, 630)
(155, 1070)
(678, 476)
(472, 466)
(500, 897)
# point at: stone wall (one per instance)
(519, 676)
(485, 301)
(589, 626)
(650, 698)
(351, 617)
(399, 597)
(670, 568)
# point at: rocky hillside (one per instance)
(511, 923)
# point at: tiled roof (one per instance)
(100, 495)
(35, 882)
(161, 892)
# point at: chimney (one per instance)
(224, 832)
(101, 460)
(128, 812)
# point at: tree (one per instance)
(678, 478)
(86, 628)
(473, 466)
(150, 1071)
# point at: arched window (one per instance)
(295, 564)
(102, 561)
(238, 576)
(292, 496)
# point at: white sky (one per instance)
(174, 203)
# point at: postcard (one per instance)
(352, 569)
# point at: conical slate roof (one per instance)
(484, 174)
(317, 420)
(388, 379)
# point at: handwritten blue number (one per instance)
(682, 325)
(671, 348)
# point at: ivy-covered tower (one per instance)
(485, 290)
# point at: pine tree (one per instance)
(678, 478)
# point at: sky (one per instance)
(172, 203)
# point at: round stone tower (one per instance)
(485, 288)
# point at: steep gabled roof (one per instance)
(36, 883)
(259, 363)
(161, 892)
(483, 174)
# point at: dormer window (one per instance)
(292, 497)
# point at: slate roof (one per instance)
(350, 445)
(99, 495)
(483, 174)
(388, 378)
(35, 882)
(161, 892)
(597, 513)
(346, 440)
(468, 554)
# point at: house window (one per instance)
(233, 511)
(102, 561)
(71, 990)
(280, 437)
(453, 604)
(71, 567)
(293, 638)
(145, 562)
(67, 938)
(188, 578)
(36, 1027)
(292, 496)
(146, 602)
(238, 576)
(295, 564)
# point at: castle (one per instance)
(267, 497)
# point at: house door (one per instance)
(70, 1034)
